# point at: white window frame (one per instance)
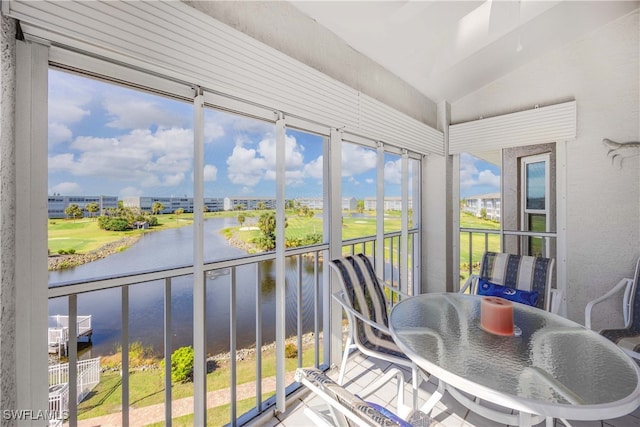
(524, 224)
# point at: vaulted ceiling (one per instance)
(447, 49)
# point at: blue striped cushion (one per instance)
(526, 273)
(355, 404)
(367, 297)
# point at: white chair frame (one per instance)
(339, 413)
(352, 343)
(628, 298)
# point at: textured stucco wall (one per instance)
(601, 72)
(7, 217)
(283, 27)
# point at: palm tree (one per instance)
(73, 211)
(178, 212)
(92, 208)
(157, 207)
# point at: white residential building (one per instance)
(57, 204)
(489, 202)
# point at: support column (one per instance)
(7, 216)
(561, 223)
(334, 314)
(30, 211)
(438, 215)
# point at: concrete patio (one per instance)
(361, 371)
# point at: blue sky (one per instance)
(106, 139)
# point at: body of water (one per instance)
(173, 247)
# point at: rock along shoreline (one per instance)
(61, 262)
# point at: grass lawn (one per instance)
(477, 242)
(218, 416)
(84, 235)
(147, 387)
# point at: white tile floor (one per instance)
(448, 412)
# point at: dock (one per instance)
(59, 332)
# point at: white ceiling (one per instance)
(447, 49)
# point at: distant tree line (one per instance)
(124, 218)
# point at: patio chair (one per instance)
(518, 272)
(346, 409)
(364, 300)
(628, 337)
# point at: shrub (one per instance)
(290, 351)
(139, 356)
(113, 224)
(66, 251)
(181, 364)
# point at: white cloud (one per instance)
(357, 159)
(58, 133)
(249, 166)
(135, 111)
(487, 177)
(369, 181)
(243, 167)
(210, 173)
(294, 159)
(68, 97)
(130, 191)
(212, 131)
(393, 171)
(68, 102)
(66, 188)
(314, 168)
(172, 180)
(470, 176)
(468, 171)
(151, 159)
(239, 124)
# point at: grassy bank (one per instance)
(147, 387)
(83, 235)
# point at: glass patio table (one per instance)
(554, 369)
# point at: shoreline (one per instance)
(61, 262)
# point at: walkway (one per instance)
(155, 413)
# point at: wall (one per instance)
(601, 72)
(283, 27)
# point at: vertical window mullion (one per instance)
(199, 294)
(380, 262)
(280, 264)
(404, 233)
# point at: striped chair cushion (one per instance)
(519, 272)
(626, 338)
(346, 399)
(364, 292)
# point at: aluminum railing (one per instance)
(494, 240)
(88, 377)
(164, 277)
(393, 258)
(71, 290)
